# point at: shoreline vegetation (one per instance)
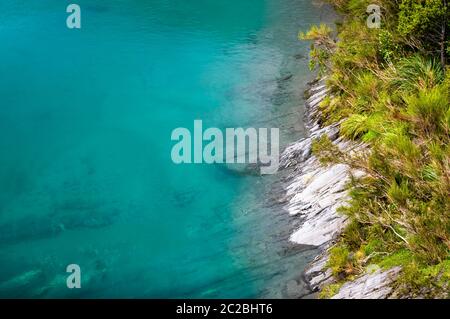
(387, 92)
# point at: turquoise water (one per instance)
(85, 169)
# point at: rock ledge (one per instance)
(314, 193)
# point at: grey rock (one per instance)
(317, 275)
(369, 286)
(314, 193)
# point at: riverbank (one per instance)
(314, 194)
(372, 181)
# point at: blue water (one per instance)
(85, 170)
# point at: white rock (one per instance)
(320, 229)
(369, 286)
(314, 193)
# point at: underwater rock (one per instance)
(20, 282)
(50, 225)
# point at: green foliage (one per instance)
(330, 290)
(398, 144)
(417, 73)
(355, 126)
(340, 260)
(425, 281)
(321, 47)
(399, 193)
(332, 110)
(359, 6)
(387, 47)
(424, 25)
(318, 58)
(417, 17)
(402, 257)
(319, 33)
(428, 110)
(390, 91)
(325, 150)
(373, 246)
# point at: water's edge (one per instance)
(313, 193)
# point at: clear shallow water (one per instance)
(85, 169)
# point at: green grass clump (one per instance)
(425, 281)
(330, 290)
(402, 257)
(325, 150)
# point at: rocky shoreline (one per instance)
(313, 193)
